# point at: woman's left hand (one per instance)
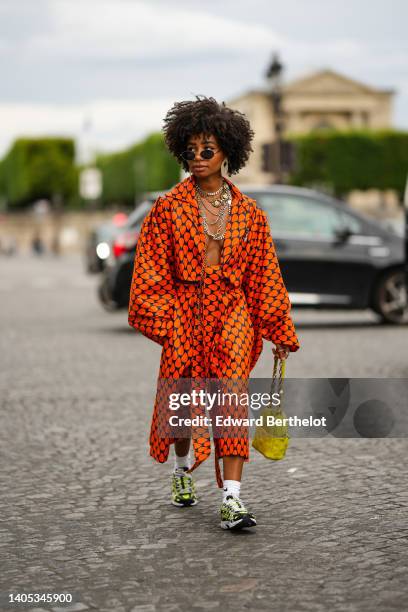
(282, 352)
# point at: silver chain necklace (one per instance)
(225, 211)
(222, 199)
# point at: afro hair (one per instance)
(206, 116)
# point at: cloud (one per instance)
(105, 29)
(113, 123)
(132, 36)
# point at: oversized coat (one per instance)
(252, 304)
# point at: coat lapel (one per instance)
(237, 224)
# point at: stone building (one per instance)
(324, 99)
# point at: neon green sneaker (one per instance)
(183, 489)
(234, 515)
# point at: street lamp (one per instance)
(273, 75)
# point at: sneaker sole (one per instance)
(241, 523)
(185, 504)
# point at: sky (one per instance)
(106, 71)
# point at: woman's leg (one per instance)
(233, 466)
(233, 444)
(183, 486)
(182, 445)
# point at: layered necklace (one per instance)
(222, 202)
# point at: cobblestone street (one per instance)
(84, 509)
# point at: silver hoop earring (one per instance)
(224, 168)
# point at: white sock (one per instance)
(182, 462)
(231, 487)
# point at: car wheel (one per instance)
(390, 298)
(105, 298)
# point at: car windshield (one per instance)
(304, 216)
(107, 231)
(137, 216)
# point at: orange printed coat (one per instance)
(245, 301)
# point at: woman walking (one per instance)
(207, 287)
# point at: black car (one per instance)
(114, 287)
(330, 255)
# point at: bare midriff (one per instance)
(214, 251)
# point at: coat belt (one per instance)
(187, 282)
(197, 282)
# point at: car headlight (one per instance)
(103, 250)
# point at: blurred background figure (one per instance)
(37, 245)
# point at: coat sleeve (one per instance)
(266, 294)
(152, 291)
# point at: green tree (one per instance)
(357, 159)
(38, 168)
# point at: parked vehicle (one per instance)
(330, 255)
(395, 225)
(114, 287)
(97, 245)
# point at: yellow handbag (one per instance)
(272, 440)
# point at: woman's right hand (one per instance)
(281, 351)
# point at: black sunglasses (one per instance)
(189, 155)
